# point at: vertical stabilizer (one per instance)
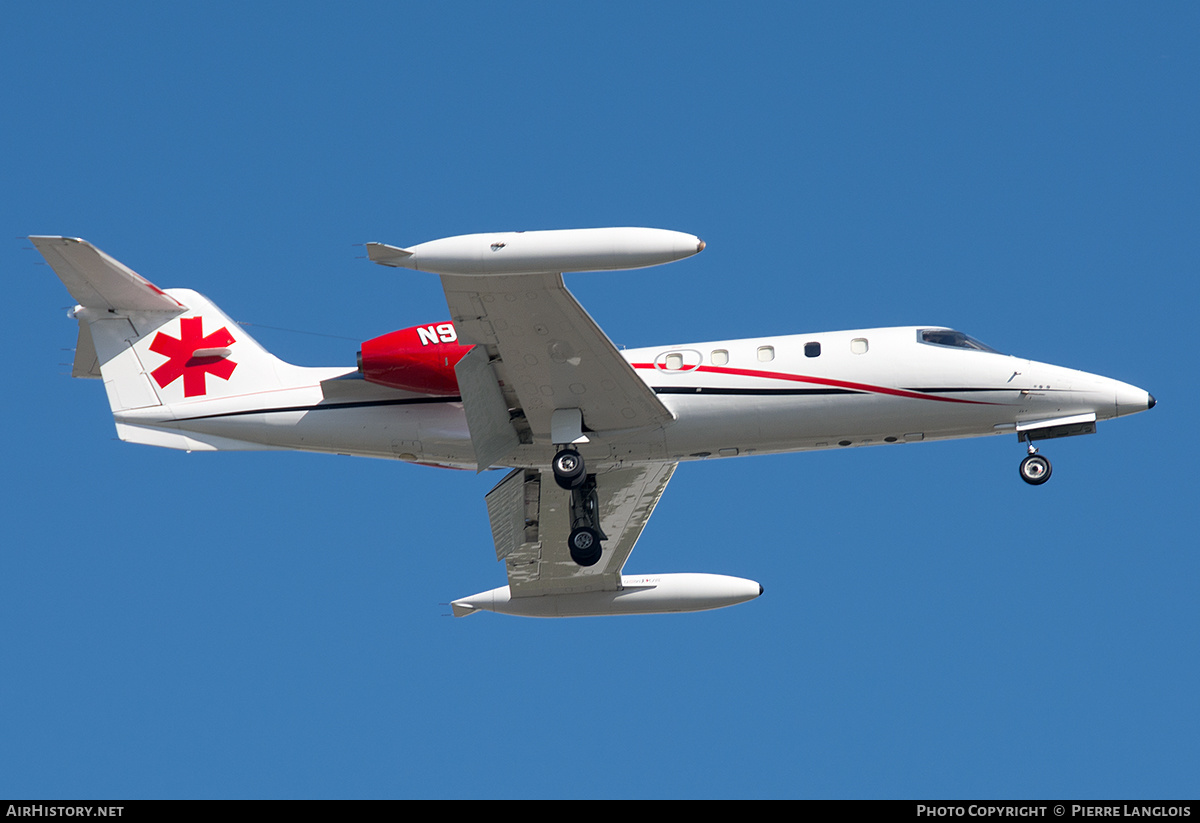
(156, 347)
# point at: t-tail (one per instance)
(162, 354)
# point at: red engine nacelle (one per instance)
(420, 359)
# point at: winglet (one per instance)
(386, 255)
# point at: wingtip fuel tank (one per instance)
(648, 594)
(528, 252)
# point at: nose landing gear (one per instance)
(1035, 469)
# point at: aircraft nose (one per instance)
(1131, 399)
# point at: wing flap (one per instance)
(492, 434)
(531, 520)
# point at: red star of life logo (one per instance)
(182, 362)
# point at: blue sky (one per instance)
(273, 625)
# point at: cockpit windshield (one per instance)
(954, 339)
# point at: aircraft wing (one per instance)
(531, 519)
(542, 372)
(506, 295)
(549, 354)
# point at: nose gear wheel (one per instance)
(1035, 470)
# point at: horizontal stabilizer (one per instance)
(97, 281)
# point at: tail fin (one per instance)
(154, 347)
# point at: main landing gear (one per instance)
(1035, 469)
(584, 544)
(570, 473)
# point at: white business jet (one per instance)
(523, 378)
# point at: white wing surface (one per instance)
(531, 519)
(506, 293)
(560, 379)
(549, 354)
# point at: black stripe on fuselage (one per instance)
(755, 392)
(361, 404)
(941, 389)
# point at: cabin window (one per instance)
(720, 357)
(858, 345)
(812, 349)
(676, 362)
(766, 354)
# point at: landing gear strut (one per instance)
(1035, 469)
(570, 473)
(584, 542)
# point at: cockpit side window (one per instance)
(954, 339)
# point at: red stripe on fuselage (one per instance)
(825, 381)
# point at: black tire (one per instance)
(584, 544)
(1035, 470)
(569, 470)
